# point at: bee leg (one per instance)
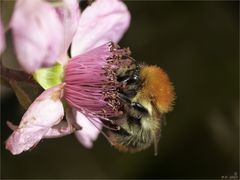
(130, 93)
(136, 106)
(124, 98)
(139, 107)
(134, 109)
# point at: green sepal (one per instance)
(49, 77)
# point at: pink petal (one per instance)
(64, 127)
(37, 33)
(2, 38)
(69, 16)
(61, 129)
(103, 21)
(45, 112)
(90, 129)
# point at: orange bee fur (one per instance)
(157, 87)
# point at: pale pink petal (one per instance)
(61, 129)
(69, 15)
(103, 21)
(2, 38)
(37, 34)
(64, 127)
(90, 129)
(45, 112)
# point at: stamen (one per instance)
(91, 83)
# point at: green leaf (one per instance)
(49, 77)
(22, 96)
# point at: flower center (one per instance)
(93, 80)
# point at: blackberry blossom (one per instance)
(91, 83)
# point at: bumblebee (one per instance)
(128, 99)
(147, 95)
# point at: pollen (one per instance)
(157, 87)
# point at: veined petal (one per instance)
(69, 15)
(103, 21)
(37, 33)
(45, 112)
(2, 39)
(90, 129)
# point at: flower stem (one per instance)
(12, 74)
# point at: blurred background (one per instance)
(196, 43)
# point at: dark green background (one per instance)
(197, 44)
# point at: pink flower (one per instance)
(90, 87)
(2, 39)
(104, 24)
